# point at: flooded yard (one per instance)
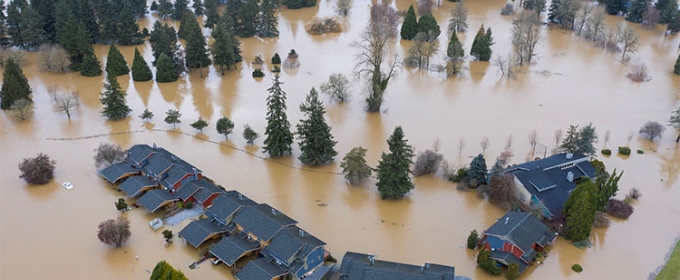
(50, 232)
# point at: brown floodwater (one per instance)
(49, 232)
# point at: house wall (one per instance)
(535, 202)
(210, 199)
(508, 247)
(313, 260)
(186, 178)
(521, 192)
(494, 242)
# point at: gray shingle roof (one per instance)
(187, 190)
(357, 266)
(117, 171)
(523, 230)
(175, 174)
(140, 152)
(157, 165)
(508, 258)
(154, 199)
(207, 189)
(226, 204)
(199, 231)
(259, 269)
(134, 185)
(231, 248)
(292, 241)
(262, 220)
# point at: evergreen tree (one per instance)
(225, 126)
(570, 143)
(137, 7)
(165, 9)
(267, 21)
(33, 32)
(587, 136)
(674, 25)
(140, 70)
(184, 25)
(62, 12)
(614, 7)
(146, 115)
(354, 165)
(198, 8)
(236, 44)
(455, 51)
(86, 15)
(196, 50)
(173, 116)
(3, 28)
(428, 23)
(409, 28)
(114, 105)
(43, 18)
(154, 6)
(127, 29)
(164, 271)
(276, 59)
(314, 135)
(163, 40)
(212, 16)
(676, 68)
(279, 137)
(166, 71)
(249, 134)
(115, 62)
(14, 85)
(246, 16)
(90, 66)
(554, 9)
(75, 42)
(394, 168)
(181, 6)
(481, 47)
(107, 17)
(637, 8)
(607, 187)
(478, 170)
(200, 124)
(489, 37)
(667, 9)
(222, 48)
(579, 211)
(15, 27)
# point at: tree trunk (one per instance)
(677, 139)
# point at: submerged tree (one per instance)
(140, 70)
(458, 21)
(200, 124)
(115, 62)
(114, 232)
(196, 48)
(267, 22)
(14, 85)
(314, 135)
(249, 134)
(394, 168)
(481, 46)
(66, 103)
(146, 115)
(337, 87)
(173, 116)
(225, 126)
(114, 105)
(223, 47)
(525, 36)
(354, 165)
(409, 28)
(579, 211)
(38, 170)
(21, 108)
(279, 137)
(674, 121)
(166, 71)
(477, 172)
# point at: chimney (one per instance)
(195, 173)
(240, 196)
(570, 176)
(425, 266)
(371, 259)
(174, 158)
(507, 219)
(154, 146)
(301, 232)
(570, 155)
(274, 211)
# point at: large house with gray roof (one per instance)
(547, 183)
(358, 266)
(295, 251)
(516, 238)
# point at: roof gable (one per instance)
(259, 269)
(358, 266)
(139, 153)
(154, 199)
(117, 171)
(133, 185)
(522, 229)
(231, 248)
(262, 220)
(199, 231)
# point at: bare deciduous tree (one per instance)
(458, 21)
(508, 9)
(337, 87)
(509, 141)
(114, 232)
(21, 108)
(427, 162)
(582, 17)
(342, 7)
(595, 25)
(53, 58)
(506, 66)
(423, 48)
(525, 35)
(557, 137)
(650, 17)
(461, 145)
(638, 72)
(607, 135)
(18, 55)
(484, 144)
(533, 138)
(629, 42)
(424, 6)
(373, 47)
(630, 137)
(66, 102)
(651, 130)
(108, 154)
(610, 41)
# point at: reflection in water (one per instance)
(570, 83)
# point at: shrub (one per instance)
(607, 152)
(577, 268)
(601, 220)
(167, 234)
(121, 205)
(501, 190)
(460, 174)
(619, 209)
(638, 73)
(472, 239)
(634, 193)
(257, 73)
(513, 272)
(640, 152)
(508, 9)
(324, 25)
(38, 170)
(485, 262)
(249, 134)
(427, 162)
(651, 130)
(624, 151)
(276, 59)
(258, 60)
(53, 58)
(276, 69)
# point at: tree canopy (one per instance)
(313, 133)
(394, 168)
(115, 62)
(14, 85)
(279, 136)
(114, 104)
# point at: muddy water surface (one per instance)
(46, 231)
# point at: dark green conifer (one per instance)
(314, 134)
(198, 8)
(676, 68)
(140, 70)
(481, 47)
(267, 21)
(637, 8)
(14, 85)
(166, 71)
(212, 16)
(75, 42)
(455, 51)
(409, 28)
(279, 137)
(90, 66)
(222, 48)
(127, 29)
(115, 62)
(114, 105)
(477, 170)
(427, 23)
(394, 168)
(180, 7)
(196, 55)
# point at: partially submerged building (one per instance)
(359, 266)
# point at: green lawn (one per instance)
(671, 271)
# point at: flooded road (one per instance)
(49, 232)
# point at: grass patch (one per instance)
(671, 270)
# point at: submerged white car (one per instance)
(67, 185)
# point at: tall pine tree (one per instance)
(314, 134)
(394, 168)
(198, 8)
(15, 26)
(409, 28)
(90, 66)
(579, 210)
(196, 48)
(165, 9)
(163, 40)
(236, 44)
(114, 105)
(115, 62)
(14, 85)
(222, 48)
(127, 29)
(637, 8)
(180, 7)
(570, 143)
(76, 43)
(247, 15)
(212, 15)
(3, 27)
(140, 70)
(267, 21)
(481, 47)
(279, 137)
(454, 51)
(676, 68)
(166, 70)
